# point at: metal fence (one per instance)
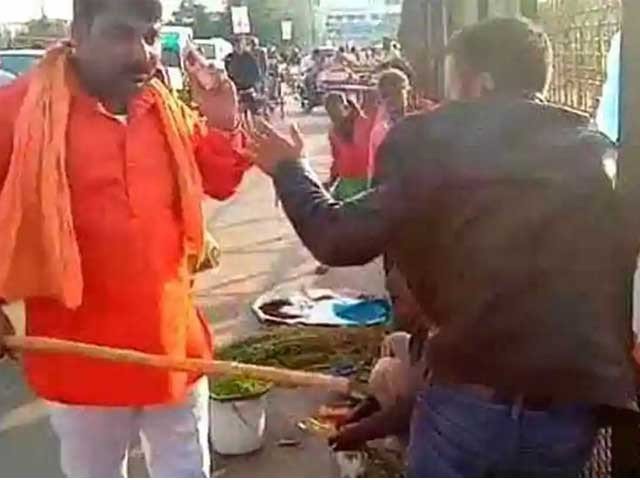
(580, 32)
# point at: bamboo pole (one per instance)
(215, 368)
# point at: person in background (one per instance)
(342, 59)
(397, 377)
(391, 51)
(356, 137)
(365, 57)
(349, 138)
(101, 229)
(497, 281)
(274, 74)
(243, 69)
(310, 78)
(261, 56)
(295, 58)
(400, 373)
(356, 56)
(393, 90)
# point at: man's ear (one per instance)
(487, 85)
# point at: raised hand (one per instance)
(213, 91)
(268, 148)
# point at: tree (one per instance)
(5, 38)
(43, 27)
(205, 24)
(267, 16)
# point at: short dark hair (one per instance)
(393, 78)
(334, 98)
(515, 52)
(86, 10)
(398, 64)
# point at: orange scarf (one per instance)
(39, 251)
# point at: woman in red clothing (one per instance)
(393, 91)
(349, 138)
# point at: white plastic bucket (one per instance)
(238, 426)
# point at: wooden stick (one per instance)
(217, 368)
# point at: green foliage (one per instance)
(267, 16)
(265, 19)
(205, 24)
(44, 27)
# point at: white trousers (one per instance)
(94, 441)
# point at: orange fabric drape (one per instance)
(40, 255)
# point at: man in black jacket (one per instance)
(498, 212)
(243, 70)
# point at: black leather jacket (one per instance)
(502, 219)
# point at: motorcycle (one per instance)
(311, 93)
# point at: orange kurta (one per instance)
(125, 206)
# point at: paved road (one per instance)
(260, 252)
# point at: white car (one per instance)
(215, 50)
(175, 40)
(172, 61)
(18, 62)
(6, 78)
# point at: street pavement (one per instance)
(260, 251)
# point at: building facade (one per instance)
(356, 22)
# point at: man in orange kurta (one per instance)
(129, 230)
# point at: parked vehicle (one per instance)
(175, 40)
(326, 54)
(19, 62)
(311, 92)
(214, 49)
(6, 78)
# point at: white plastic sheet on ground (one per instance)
(315, 307)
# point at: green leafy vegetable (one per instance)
(228, 389)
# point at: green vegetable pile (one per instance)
(309, 349)
(229, 389)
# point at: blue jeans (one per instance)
(455, 433)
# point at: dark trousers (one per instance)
(455, 433)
